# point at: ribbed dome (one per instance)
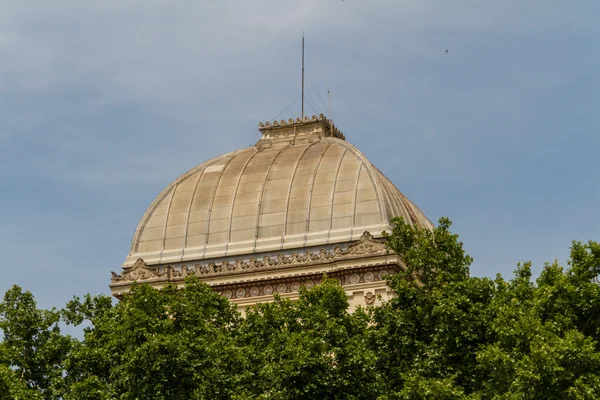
(287, 194)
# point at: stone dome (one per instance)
(301, 185)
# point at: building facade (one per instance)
(271, 218)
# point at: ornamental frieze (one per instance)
(141, 272)
(293, 285)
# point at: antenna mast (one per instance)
(329, 101)
(303, 75)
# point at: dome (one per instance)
(301, 185)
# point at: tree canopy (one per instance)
(445, 335)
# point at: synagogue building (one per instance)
(273, 217)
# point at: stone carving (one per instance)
(291, 121)
(366, 246)
(281, 285)
(281, 288)
(139, 272)
(335, 132)
(288, 285)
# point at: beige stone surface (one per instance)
(300, 185)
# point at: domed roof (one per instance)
(302, 185)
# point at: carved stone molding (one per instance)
(335, 132)
(366, 246)
(293, 284)
(140, 272)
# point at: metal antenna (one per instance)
(302, 74)
(329, 103)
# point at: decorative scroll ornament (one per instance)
(366, 246)
(370, 298)
(139, 272)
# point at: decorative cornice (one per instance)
(141, 272)
(334, 131)
(354, 276)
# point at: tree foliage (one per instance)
(168, 344)
(310, 348)
(33, 350)
(445, 335)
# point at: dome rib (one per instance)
(335, 181)
(373, 178)
(396, 208)
(215, 221)
(287, 203)
(201, 175)
(311, 192)
(235, 193)
(212, 204)
(164, 239)
(189, 211)
(262, 194)
(354, 201)
(164, 193)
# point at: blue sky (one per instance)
(103, 103)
